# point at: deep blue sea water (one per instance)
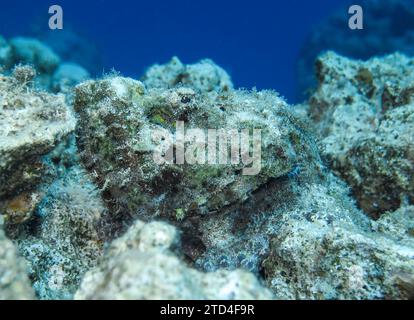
(257, 42)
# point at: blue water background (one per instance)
(257, 42)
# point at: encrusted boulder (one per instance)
(141, 265)
(14, 282)
(32, 124)
(66, 236)
(278, 223)
(232, 178)
(202, 76)
(118, 117)
(364, 114)
(319, 258)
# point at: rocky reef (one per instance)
(316, 204)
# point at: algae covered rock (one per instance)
(141, 265)
(363, 112)
(32, 123)
(65, 238)
(292, 221)
(329, 259)
(117, 120)
(118, 117)
(201, 76)
(14, 282)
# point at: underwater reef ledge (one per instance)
(86, 212)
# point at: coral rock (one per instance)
(364, 113)
(320, 259)
(66, 237)
(14, 282)
(52, 74)
(31, 124)
(202, 76)
(117, 119)
(140, 265)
